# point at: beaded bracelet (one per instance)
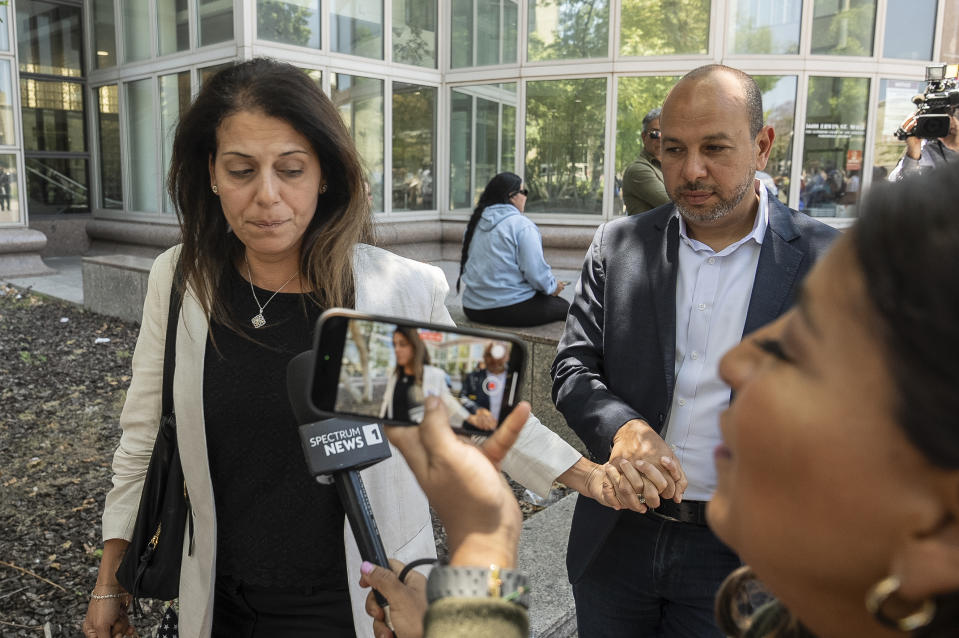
(105, 596)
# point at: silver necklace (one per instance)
(259, 320)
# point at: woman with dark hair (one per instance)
(269, 191)
(413, 379)
(507, 280)
(839, 467)
(274, 215)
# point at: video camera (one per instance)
(935, 104)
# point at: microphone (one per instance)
(339, 448)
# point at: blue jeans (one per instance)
(653, 577)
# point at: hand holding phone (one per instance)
(384, 368)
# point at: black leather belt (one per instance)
(686, 512)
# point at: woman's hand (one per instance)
(407, 600)
(107, 617)
(560, 285)
(464, 485)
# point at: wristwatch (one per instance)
(478, 582)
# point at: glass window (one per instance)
(843, 27)
(7, 136)
(49, 38)
(289, 21)
(173, 26)
(315, 75)
(4, 32)
(779, 112)
(833, 143)
(104, 34)
(568, 29)
(136, 30)
(565, 131)
(142, 156)
(111, 166)
(356, 27)
(414, 144)
(215, 21)
(910, 27)
(635, 98)
(767, 26)
(414, 32)
(664, 27)
(52, 114)
(9, 190)
(482, 138)
(949, 50)
(360, 102)
(174, 100)
(56, 185)
(895, 105)
(484, 32)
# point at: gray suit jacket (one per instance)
(626, 306)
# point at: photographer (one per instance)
(928, 154)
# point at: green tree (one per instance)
(283, 22)
(664, 27)
(582, 30)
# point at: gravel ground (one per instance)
(63, 377)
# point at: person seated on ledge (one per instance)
(507, 280)
(839, 467)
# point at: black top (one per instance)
(276, 526)
(401, 397)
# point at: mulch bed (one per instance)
(63, 378)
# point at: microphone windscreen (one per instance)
(299, 378)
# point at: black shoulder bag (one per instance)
(151, 566)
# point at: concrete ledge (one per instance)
(542, 556)
(116, 285)
(20, 250)
(541, 342)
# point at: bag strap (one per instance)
(169, 351)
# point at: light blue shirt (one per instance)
(712, 296)
(506, 264)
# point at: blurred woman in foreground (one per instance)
(839, 470)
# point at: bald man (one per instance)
(663, 296)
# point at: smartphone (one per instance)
(385, 367)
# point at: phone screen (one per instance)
(385, 370)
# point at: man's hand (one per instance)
(407, 600)
(642, 464)
(913, 143)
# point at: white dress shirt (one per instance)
(712, 296)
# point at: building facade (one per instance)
(440, 95)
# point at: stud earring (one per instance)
(322, 189)
(215, 191)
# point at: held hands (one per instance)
(483, 419)
(642, 469)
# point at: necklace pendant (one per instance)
(258, 321)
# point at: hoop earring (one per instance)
(215, 191)
(882, 591)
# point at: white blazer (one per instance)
(386, 284)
